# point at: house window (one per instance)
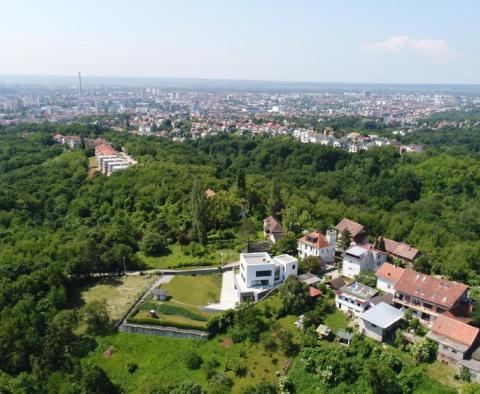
(263, 273)
(454, 351)
(293, 266)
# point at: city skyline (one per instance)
(399, 42)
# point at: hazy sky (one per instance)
(419, 41)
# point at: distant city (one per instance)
(181, 109)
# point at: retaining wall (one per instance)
(162, 331)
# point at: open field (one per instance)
(119, 293)
(443, 373)
(161, 361)
(176, 257)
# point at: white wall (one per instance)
(385, 285)
(374, 332)
(350, 269)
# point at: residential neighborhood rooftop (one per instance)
(382, 315)
(455, 330)
(389, 272)
(440, 291)
(315, 239)
(400, 249)
(359, 290)
(353, 228)
(256, 258)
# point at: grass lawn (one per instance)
(443, 373)
(161, 361)
(118, 293)
(176, 258)
(336, 321)
(194, 290)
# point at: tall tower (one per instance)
(80, 95)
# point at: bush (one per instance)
(210, 367)
(132, 367)
(193, 361)
(153, 244)
(219, 384)
(423, 352)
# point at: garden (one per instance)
(186, 294)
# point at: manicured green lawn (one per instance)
(194, 290)
(176, 258)
(336, 321)
(161, 361)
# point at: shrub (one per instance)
(153, 244)
(166, 323)
(193, 361)
(132, 367)
(210, 366)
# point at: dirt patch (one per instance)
(109, 352)
(226, 343)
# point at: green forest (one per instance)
(59, 225)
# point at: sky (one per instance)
(369, 41)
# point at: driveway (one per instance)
(228, 295)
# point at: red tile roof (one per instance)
(353, 228)
(315, 239)
(389, 272)
(400, 249)
(271, 225)
(314, 292)
(439, 291)
(455, 330)
(105, 150)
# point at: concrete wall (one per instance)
(448, 354)
(162, 331)
(371, 331)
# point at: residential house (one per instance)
(260, 273)
(426, 296)
(336, 283)
(358, 233)
(472, 364)
(72, 141)
(400, 250)
(456, 340)
(318, 245)
(387, 276)
(354, 298)
(272, 229)
(380, 321)
(360, 258)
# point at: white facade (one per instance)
(354, 298)
(259, 273)
(357, 259)
(324, 250)
(385, 285)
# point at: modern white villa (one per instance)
(259, 273)
(360, 258)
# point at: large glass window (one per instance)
(263, 273)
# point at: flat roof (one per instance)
(285, 258)
(359, 290)
(355, 251)
(382, 315)
(256, 258)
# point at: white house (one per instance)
(380, 321)
(318, 245)
(260, 273)
(354, 298)
(387, 276)
(360, 258)
(272, 229)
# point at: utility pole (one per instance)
(124, 266)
